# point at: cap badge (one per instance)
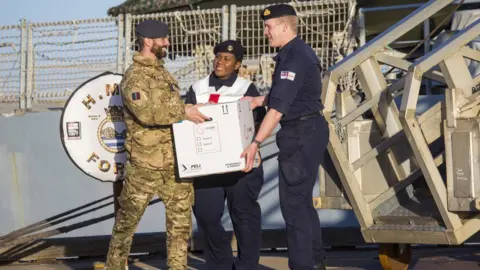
(266, 12)
(230, 48)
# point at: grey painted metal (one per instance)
(361, 27)
(120, 43)
(225, 23)
(30, 58)
(38, 181)
(128, 36)
(233, 22)
(23, 63)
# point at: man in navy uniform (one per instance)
(294, 102)
(240, 189)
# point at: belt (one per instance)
(305, 117)
(308, 116)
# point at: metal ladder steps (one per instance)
(398, 227)
(412, 220)
(415, 211)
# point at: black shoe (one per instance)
(320, 266)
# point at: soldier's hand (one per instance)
(194, 115)
(249, 155)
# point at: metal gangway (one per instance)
(410, 177)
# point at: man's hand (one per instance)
(254, 101)
(194, 115)
(249, 155)
(269, 123)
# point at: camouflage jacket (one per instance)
(152, 103)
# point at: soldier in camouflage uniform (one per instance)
(151, 105)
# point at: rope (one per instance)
(21, 236)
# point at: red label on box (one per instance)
(214, 98)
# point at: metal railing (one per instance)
(11, 48)
(325, 25)
(41, 64)
(63, 55)
(192, 36)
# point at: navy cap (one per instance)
(152, 29)
(277, 11)
(230, 46)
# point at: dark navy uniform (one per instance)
(239, 189)
(302, 141)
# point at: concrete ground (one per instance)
(424, 258)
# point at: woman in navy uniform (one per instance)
(294, 102)
(241, 190)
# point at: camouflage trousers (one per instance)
(139, 187)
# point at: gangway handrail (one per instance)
(450, 47)
(385, 113)
(439, 54)
(450, 57)
(387, 37)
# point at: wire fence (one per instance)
(43, 63)
(66, 54)
(324, 25)
(10, 63)
(193, 34)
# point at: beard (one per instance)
(159, 51)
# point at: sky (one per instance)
(12, 11)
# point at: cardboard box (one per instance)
(215, 146)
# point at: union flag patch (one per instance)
(287, 75)
(135, 96)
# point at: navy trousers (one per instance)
(302, 145)
(241, 192)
